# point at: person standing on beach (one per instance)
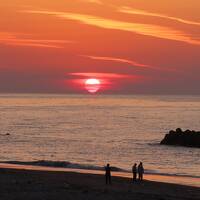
(108, 174)
(134, 171)
(140, 171)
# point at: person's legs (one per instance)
(109, 179)
(134, 177)
(140, 176)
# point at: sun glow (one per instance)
(92, 85)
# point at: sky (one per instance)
(131, 46)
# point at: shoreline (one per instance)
(40, 184)
(180, 180)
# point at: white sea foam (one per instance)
(65, 164)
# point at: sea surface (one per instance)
(88, 131)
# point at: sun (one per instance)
(92, 81)
(92, 85)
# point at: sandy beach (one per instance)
(43, 184)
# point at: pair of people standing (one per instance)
(138, 170)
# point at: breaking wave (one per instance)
(70, 165)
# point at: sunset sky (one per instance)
(131, 46)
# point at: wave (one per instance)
(63, 164)
(154, 172)
(70, 165)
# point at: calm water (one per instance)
(94, 130)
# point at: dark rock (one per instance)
(179, 130)
(182, 138)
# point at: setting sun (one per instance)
(92, 85)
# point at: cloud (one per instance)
(139, 28)
(17, 40)
(100, 75)
(121, 60)
(109, 81)
(92, 1)
(126, 61)
(129, 10)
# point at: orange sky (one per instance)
(132, 46)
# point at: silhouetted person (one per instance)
(108, 174)
(134, 171)
(140, 171)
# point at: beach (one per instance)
(19, 183)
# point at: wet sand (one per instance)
(181, 180)
(24, 184)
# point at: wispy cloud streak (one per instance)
(129, 10)
(139, 28)
(92, 1)
(100, 75)
(126, 61)
(15, 40)
(121, 60)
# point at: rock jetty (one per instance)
(186, 138)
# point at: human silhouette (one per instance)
(134, 171)
(108, 174)
(140, 171)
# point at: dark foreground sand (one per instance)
(19, 184)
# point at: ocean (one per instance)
(88, 131)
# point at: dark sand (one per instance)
(20, 184)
